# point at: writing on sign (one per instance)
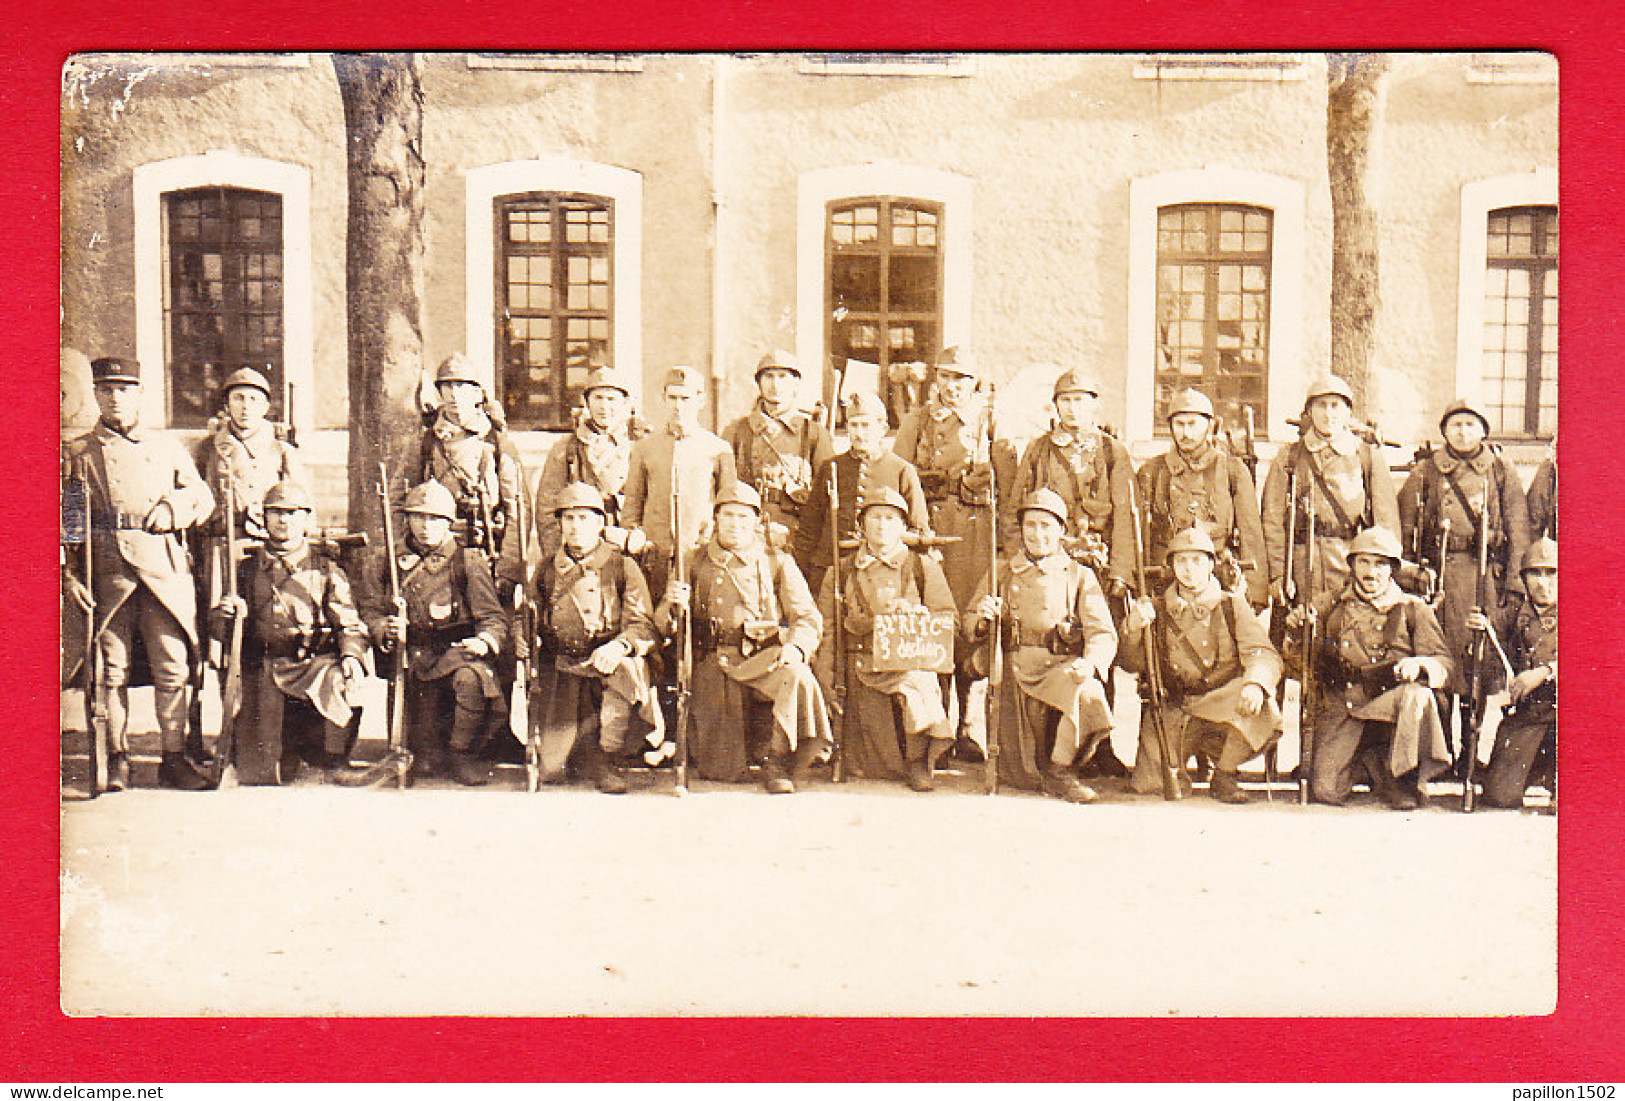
(914, 640)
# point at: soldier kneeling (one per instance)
(1381, 654)
(305, 649)
(1218, 668)
(755, 627)
(451, 631)
(596, 632)
(1526, 741)
(1058, 647)
(884, 575)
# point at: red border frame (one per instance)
(1578, 1043)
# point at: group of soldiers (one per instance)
(757, 604)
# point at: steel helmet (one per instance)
(784, 361)
(740, 494)
(1044, 500)
(247, 376)
(456, 369)
(1378, 541)
(955, 360)
(431, 498)
(579, 495)
(1542, 555)
(1191, 539)
(1075, 380)
(1462, 405)
(606, 378)
(883, 496)
(1190, 401)
(288, 495)
(1329, 386)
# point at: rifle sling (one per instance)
(1344, 523)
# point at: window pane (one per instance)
(855, 282)
(913, 284)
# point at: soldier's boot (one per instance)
(468, 769)
(774, 779)
(1390, 790)
(1063, 784)
(118, 772)
(919, 775)
(602, 771)
(802, 760)
(1227, 789)
(176, 771)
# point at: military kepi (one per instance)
(113, 369)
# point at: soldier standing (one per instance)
(1345, 480)
(755, 629)
(467, 449)
(1090, 471)
(597, 453)
(866, 465)
(1527, 736)
(777, 446)
(143, 493)
(596, 632)
(1059, 646)
(947, 442)
(1542, 497)
(451, 634)
(1195, 484)
(698, 463)
(305, 649)
(1449, 494)
(896, 724)
(1218, 668)
(247, 444)
(1382, 654)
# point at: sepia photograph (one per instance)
(809, 534)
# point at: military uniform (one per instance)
(882, 705)
(302, 623)
(1362, 708)
(1207, 489)
(776, 454)
(1058, 648)
(472, 455)
(1211, 645)
(1446, 487)
(702, 464)
(1347, 481)
(143, 582)
(1528, 732)
(749, 604)
(1090, 471)
(856, 476)
(450, 595)
(1542, 498)
(592, 456)
(586, 716)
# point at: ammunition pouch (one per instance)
(976, 488)
(750, 636)
(1219, 676)
(575, 649)
(935, 484)
(1375, 679)
(440, 636)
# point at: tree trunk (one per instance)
(383, 124)
(1354, 97)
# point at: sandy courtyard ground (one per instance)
(863, 899)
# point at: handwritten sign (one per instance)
(914, 640)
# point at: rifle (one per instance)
(1249, 454)
(289, 433)
(995, 672)
(398, 758)
(1473, 709)
(76, 529)
(525, 726)
(231, 687)
(685, 639)
(838, 611)
(488, 535)
(1308, 643)
(1171, 788)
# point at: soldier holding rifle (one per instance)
(597, 453)
(1526, 741)
(1381, 654)
(1218, 669)
(595, 631)
(895, 723)
(449, 634)
(305, 648)
(1456, 497)
(778, 447)
(142, 493)
(1058, 644)
(755, 629)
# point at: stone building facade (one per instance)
(1157, 219)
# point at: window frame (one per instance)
(1537, 265)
